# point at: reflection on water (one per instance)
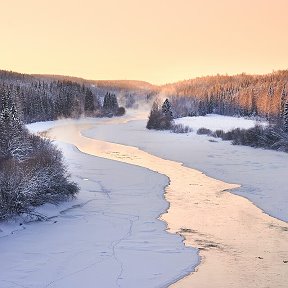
(240, 246)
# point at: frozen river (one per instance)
(111, 235)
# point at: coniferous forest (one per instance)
(257, 96)
(48, 98)
(41, 97)
(241, 95)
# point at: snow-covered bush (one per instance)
(31, 168)
(263, 137)
(204, 131)
(180, 128)
(120, 111)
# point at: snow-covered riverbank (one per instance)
(261, 173)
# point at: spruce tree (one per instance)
(283, 101)
(166, 109)
(285, 117)
(110, 103)
(89, 105)
(13, 134)
(160, 118)
(106, 103)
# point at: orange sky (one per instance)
(154, 40)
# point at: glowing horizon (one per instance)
(155, 41)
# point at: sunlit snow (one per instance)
(217, 122)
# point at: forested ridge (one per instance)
(49, 97)
(241, 95)
(258, 96)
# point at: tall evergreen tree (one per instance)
(285, 117)
(12, 131)
(89, 105)
(110, 102)
(166, 109)
(283, 101)
(160, 118)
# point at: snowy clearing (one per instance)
(217, 122)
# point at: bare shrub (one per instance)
(204, 131)
(180, 128)
(263, 137)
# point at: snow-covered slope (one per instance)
(217, 122)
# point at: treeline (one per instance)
(41, 99)
(270, 137)
(242, 95)
(130, 93)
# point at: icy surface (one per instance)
(262, 173)
(216, 122)
(108, 237)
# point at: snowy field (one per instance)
(261, 173)
(108, 237)
(216, 122)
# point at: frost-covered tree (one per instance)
(110, 102)
(111, 107)
(13, 135)
(166, 109)
(160, 118)
(130, 101)
(89, 105)
(285, 117)
(31, 168)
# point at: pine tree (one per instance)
(282, 101)
(89, 105)
(106, 103)
(253, 103)
(13, 135)
(110, 103)
(285, 117)
(166, 108)
(160, 118)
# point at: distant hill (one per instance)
(243, 94)
(114, 84)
